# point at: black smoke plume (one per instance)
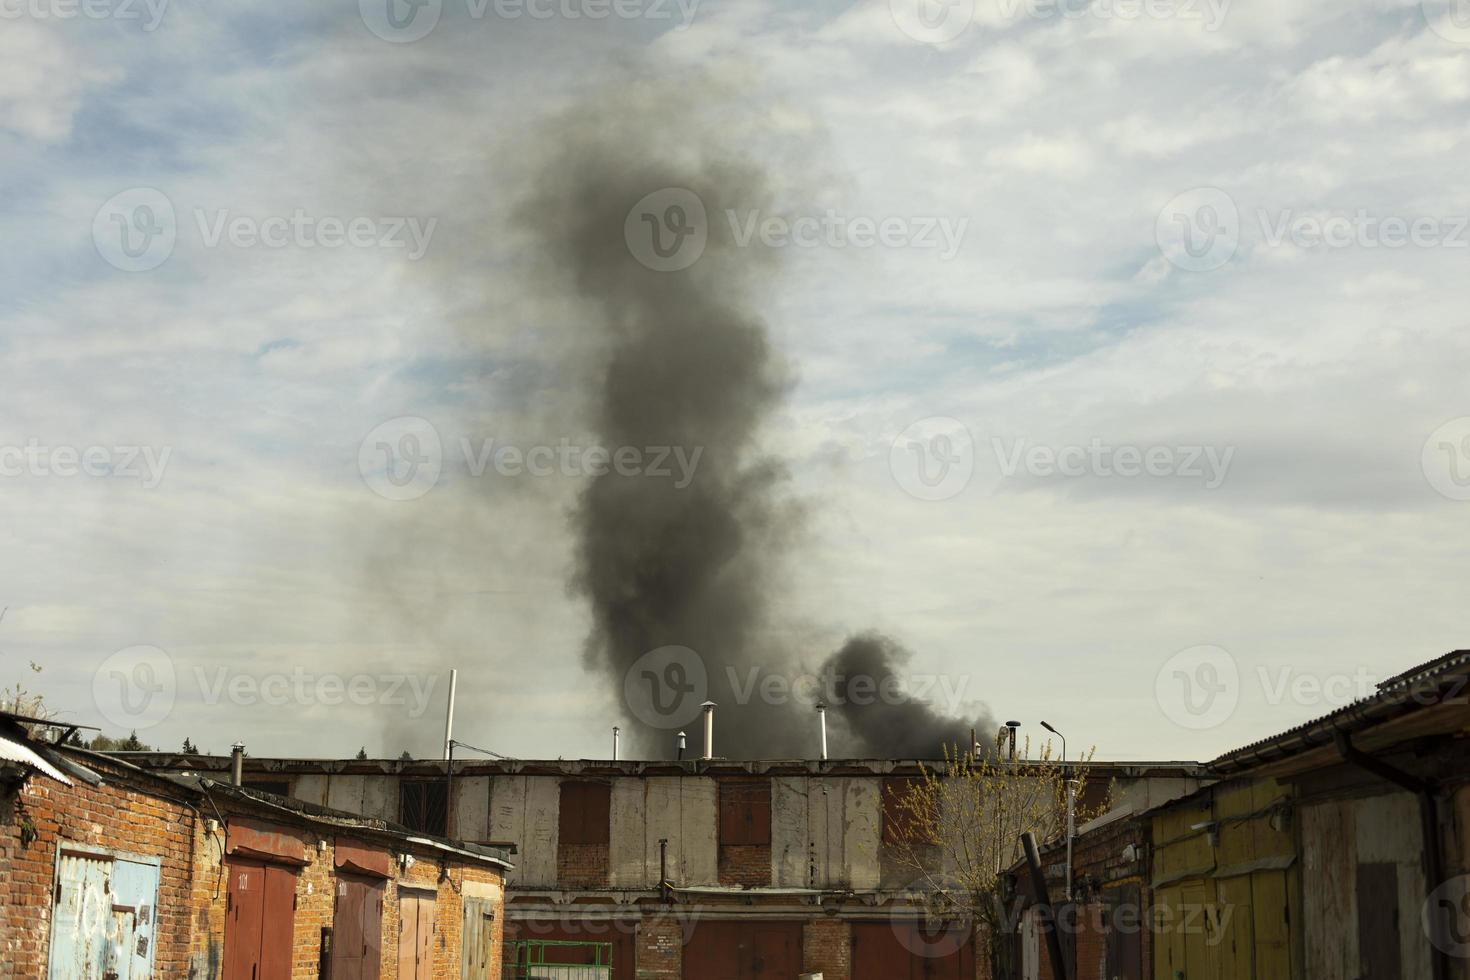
(683, 359)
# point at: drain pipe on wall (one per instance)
(1429, 829)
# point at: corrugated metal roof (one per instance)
(13, 750)
(1397, 690)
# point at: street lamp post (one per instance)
(1071, 805)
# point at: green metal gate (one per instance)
(536, 959)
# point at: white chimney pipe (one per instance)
(449, 716)
(709, 729)
(616, 732)
(822, 714)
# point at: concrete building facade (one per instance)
(687, 869)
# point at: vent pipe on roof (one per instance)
(822, 717)
(616, 732)
(449, 717)
(237, 764)
(709, 729)
(683, 743)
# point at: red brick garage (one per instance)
(743, 951)
(910, 951)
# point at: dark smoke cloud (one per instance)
(879, 724)
(684, 359)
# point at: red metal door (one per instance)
(259, 921)
(743, 951)
(245, 911)
(357, 928)
(911, 951)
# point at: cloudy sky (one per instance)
(1146, 413)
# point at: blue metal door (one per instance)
(102, 925)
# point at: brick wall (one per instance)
(826, 948)
(660, 949)
(582, 865)
(189, 932)
(111, 816)
(746, 865)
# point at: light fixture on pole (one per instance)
(1071, 805)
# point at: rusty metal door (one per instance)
(357, 928)
(259, 919)
(415, 934)
(743, 951)
(102, 922)
(912, 951)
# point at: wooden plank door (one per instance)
(477, 946)
(415, 934)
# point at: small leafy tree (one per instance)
(958, 829)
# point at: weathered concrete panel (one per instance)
(628, 854)
(380, 797)
(862, 826)
(790, 841)
(1329, 905)
(345, 793)
(508, 819)
(699, 826)
(662, 806)
(471, 808)
(311, 787)
(543, 805)
(825, 803)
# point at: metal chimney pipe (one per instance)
(709, 729)
(449, 716)
(1011, 726)
(683, 744)
(237, 764)
(616, 732)
(822, 715)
